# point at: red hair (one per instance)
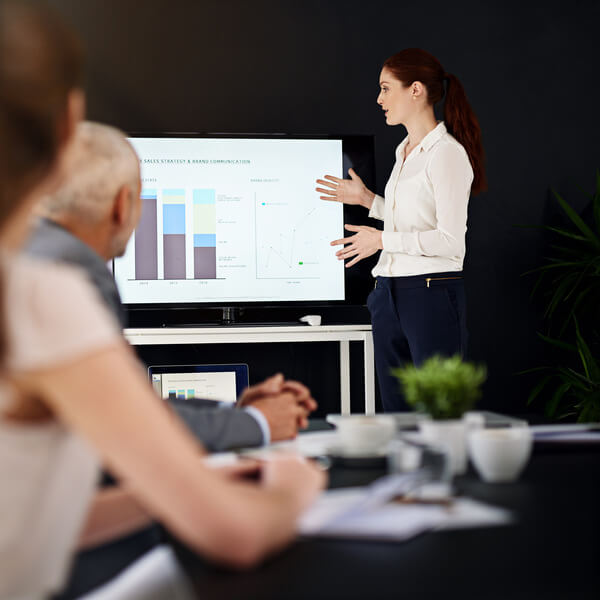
(414, 64)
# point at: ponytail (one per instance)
(461, 122)
(414, 64)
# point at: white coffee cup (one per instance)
(313, 320)
(500, 454)
(365, 434)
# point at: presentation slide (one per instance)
(209, 386)
(233, 220)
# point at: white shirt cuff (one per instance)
(377, 208)
(262, 423)
(393, 241)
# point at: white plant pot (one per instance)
(450, 436)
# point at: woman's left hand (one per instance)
(365, 242)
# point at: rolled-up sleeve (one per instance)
(451, 176)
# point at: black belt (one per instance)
(417, 281)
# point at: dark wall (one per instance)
(529, 68)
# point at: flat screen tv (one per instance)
(233, 221)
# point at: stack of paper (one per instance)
(577, 432)
(372, 513)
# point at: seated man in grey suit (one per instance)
(88, 221)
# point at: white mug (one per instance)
(314, 320)
(365, 434)
(500, 454)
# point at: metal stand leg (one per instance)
(369, 357)
(345, 376)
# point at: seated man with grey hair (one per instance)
(89, 221)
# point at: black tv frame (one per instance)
(358, 151)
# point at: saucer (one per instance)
(341, 457)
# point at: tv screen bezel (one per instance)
(171, 306)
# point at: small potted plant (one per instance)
(444, 389)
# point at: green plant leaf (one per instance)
(576, 379)
(577, 297)
(533, 370)
(569, 282)
(443, 387)
(558, 343)
(577, 220)
(566, 233)
(590, 410)
(538, 388)
(537, 284)
(596, 201)
(552, 406)
(591, 368)
(554, 265)
(566, 250)
(560, 293)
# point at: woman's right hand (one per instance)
(297, 477)
(346, 191)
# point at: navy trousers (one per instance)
(414, 318)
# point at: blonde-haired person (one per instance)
(418, 304)
(88, 221)
(72, 395)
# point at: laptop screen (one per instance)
(209, 382)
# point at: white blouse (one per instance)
(425, 208)
(48, 473)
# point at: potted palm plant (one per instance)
(444, 389)
(569, 282)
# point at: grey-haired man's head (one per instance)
(99, 201)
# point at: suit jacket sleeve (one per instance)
(218, 429)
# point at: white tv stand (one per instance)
(240, 334)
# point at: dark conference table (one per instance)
(552, 551)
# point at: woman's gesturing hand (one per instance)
(346, 191)
(365, 242)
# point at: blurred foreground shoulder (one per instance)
(53, 314)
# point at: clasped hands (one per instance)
(285, 405)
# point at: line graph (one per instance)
(291, 240)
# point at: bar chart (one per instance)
(205, 234)
(181, 394)
(177, 235)
(146, 251)
(173, 201)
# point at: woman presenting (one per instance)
(418, 304)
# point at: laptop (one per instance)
(209, 382)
